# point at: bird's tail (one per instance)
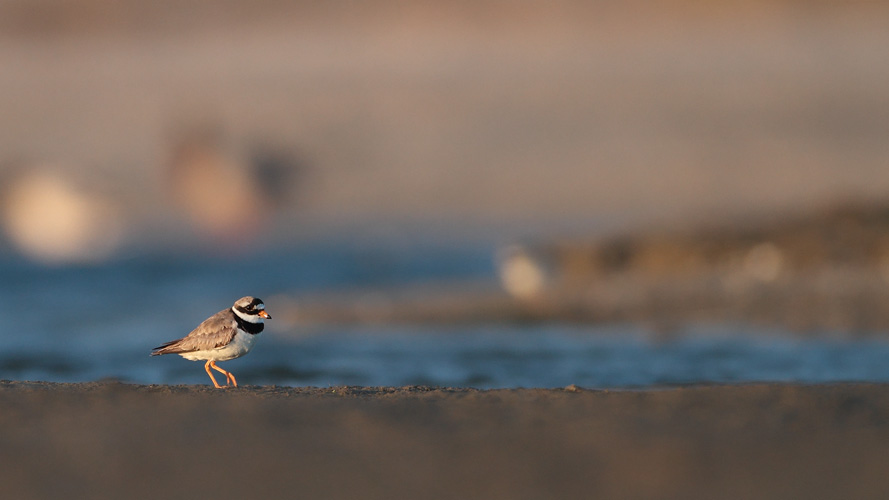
(168, 348)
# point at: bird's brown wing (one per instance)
(216, 331)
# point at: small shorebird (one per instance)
(228, 334)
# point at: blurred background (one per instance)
(494, 194)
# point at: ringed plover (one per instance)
(226, 335)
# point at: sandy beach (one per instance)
(111, 440)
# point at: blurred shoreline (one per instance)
(517, 114)
(823, 270)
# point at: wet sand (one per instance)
(750, 441)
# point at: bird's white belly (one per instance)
(239, 346)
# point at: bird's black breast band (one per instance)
(251, 328)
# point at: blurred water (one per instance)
(89, 323)
(489, 356)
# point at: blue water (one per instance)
(96, 322)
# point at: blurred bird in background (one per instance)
(230, 195)
(51, 219)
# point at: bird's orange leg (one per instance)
(229, 377)
(207, 367)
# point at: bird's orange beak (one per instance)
(263, 314)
